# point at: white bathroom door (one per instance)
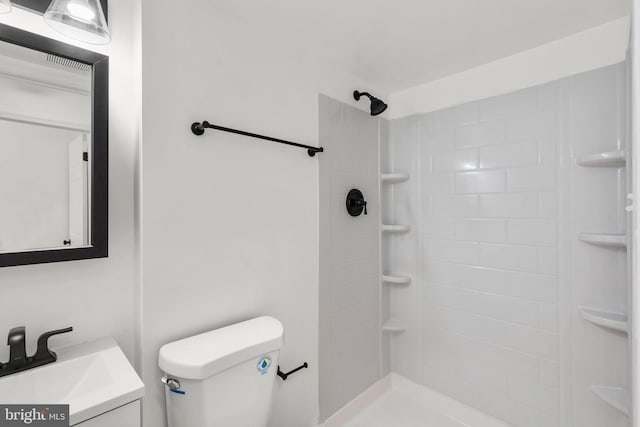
(78, 191)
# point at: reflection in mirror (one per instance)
(45, 143)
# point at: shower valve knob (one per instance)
(356, 204)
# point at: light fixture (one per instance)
(5, 6)
(79, 19)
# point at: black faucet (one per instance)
(18, 360)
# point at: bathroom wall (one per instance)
(231, 223)
(495, 207)
(96, 297)
(349, 255)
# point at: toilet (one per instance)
(222, 378)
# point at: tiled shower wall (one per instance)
(349, 256)
(484, 312)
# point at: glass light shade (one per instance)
(79, 19)
(5, 6)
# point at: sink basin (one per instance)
(92, 378)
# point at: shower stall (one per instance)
(490, 282)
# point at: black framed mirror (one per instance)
(54, 150)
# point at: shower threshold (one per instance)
(397, 402)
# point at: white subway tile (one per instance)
(548, 150)
(514, 310)
(522, 365)
(533, 341)
(454, 251)
(425, 205)
(550, 373)
(440, 140)
(440, 272)
(542, 123)
(509, 205)
(353, 250)
(513, 104)
(535, 178)
(548, 258)
(481, 182)
(522, 415)
(475, 327)
(455, 161)
(363, 290)
(426, 163)
(509, 257)
(514, 154)
(463, 276)
(548, 205)
(538, 287)
(439, 228)
(455, 206)
(547, 420)
(483, 133)
(481, 230)
(535, 232)
(539, 396)
(454, 116)
(437, 183)
(547, 96)
(548, 315)
(343, 275)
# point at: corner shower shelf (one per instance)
(606, 319)
(394, 326)
(614, 396)
(611, 159)
(606, 240)
(394, 178)
(396, 228)
(395, 279)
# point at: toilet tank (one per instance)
(222, 378)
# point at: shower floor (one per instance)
(398, 402)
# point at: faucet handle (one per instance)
(43, 351)
(17, 348)
(16, 335)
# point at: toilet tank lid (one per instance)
(200, 356)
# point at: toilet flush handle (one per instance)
(173, 384)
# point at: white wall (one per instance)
(594, 48)
(96, 297)
(230, 223)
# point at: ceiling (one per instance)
(395, 44)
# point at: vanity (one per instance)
(95, 379)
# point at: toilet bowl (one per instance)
(222, 378)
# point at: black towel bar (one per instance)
(199, 128)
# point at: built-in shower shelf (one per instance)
(606, 240)
(611, 159)
(396, 228)
(614, 396)
(394, 326)
(396, 279)
(606, 319)
(394, 178)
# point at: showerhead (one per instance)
(377, 105)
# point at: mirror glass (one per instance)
(45, 150)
